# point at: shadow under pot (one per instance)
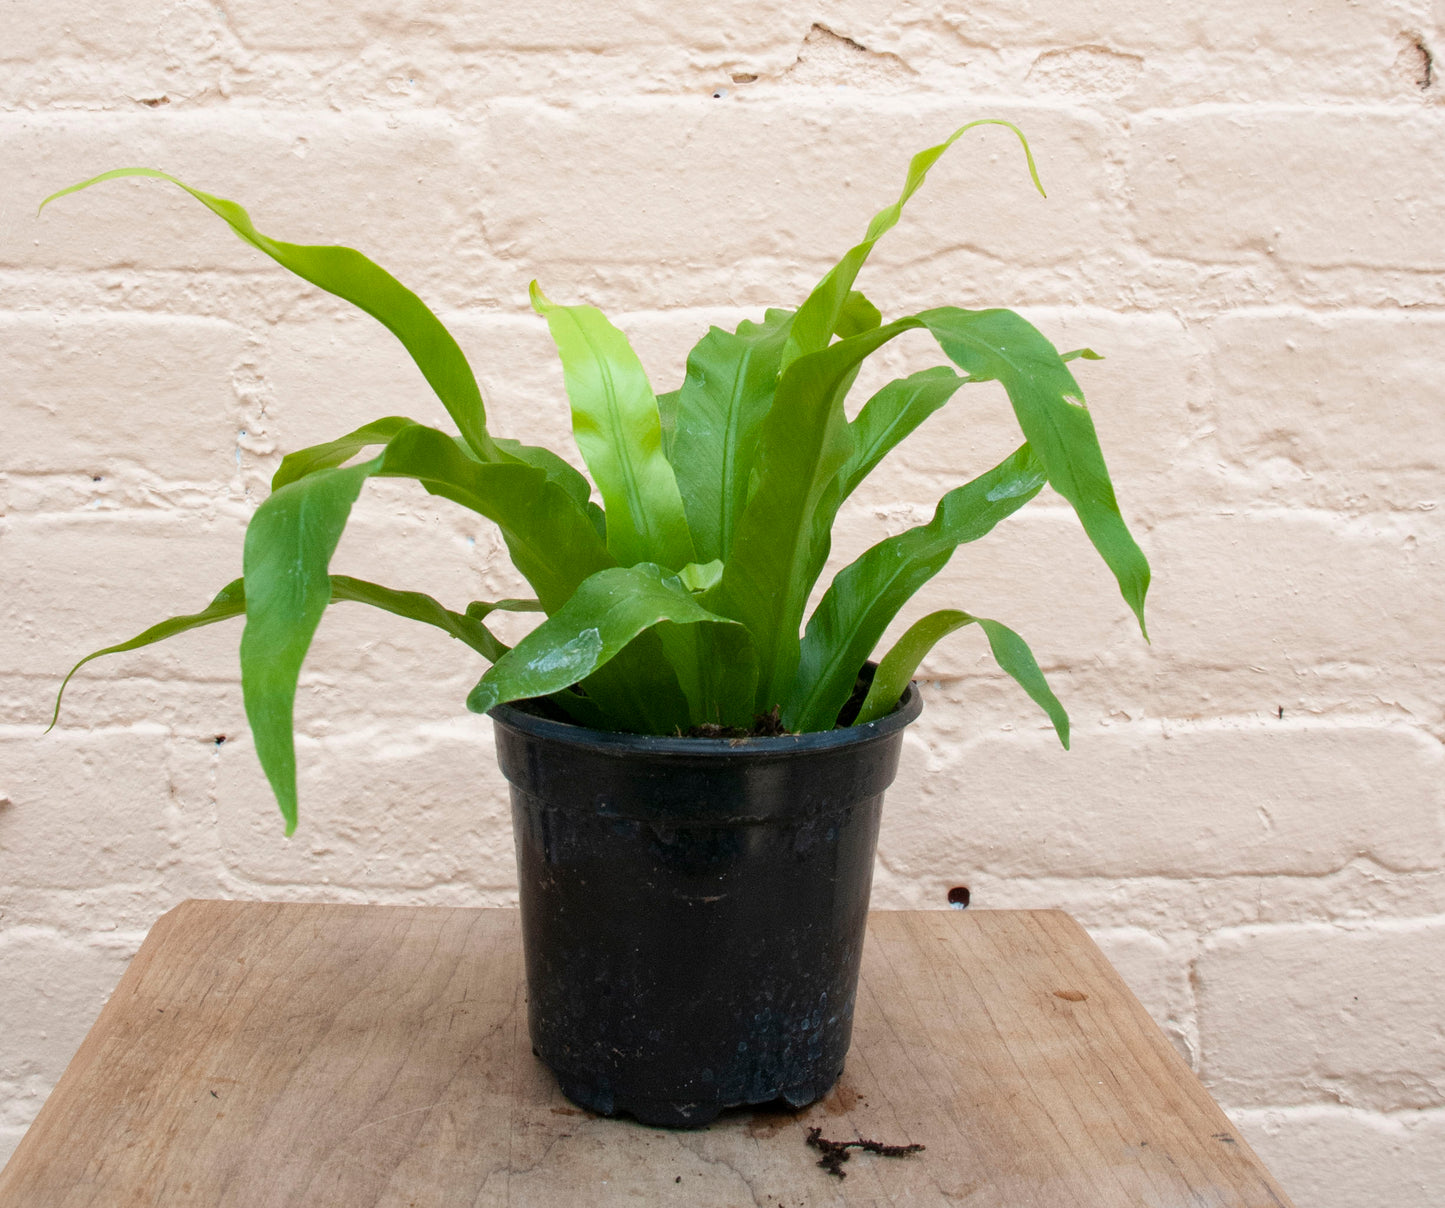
(693, 909)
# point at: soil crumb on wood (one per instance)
(835, 1153)
(765, 725)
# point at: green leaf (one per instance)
(555, 546)
(699, 576)
(348, 274)
(785, 530)
(481, 609)
(229, 602)
(866, 594)
(609, 610)
(711, 425)
(417, 606)
(337, 452)
(988, 345)
(667, 417)
(289, 544)
(616, 423)
(558, 469)
(998, 345)
(857, 316)
(292, 536)
(1009, 650)
(723, 401)
(817, 318)
(552, 541)
(784, 533)
(891, 414)
(717, 671)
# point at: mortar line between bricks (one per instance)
(1359, 926)
(521, 314)
(1364, 862)
(1391, 1115)
(1393, 109)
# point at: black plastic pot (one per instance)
(693, 909)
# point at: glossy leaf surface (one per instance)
(289, 544)
(292, 536)
(784, 534)
(608, 611)
(551, 539)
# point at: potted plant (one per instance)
(697, 764)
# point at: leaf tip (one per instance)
(540, 302)
(1137, 607)
(483, 697)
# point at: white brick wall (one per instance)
(1244, 214)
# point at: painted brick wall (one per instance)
(1246, 214)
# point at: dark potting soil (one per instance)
(765, 725)
(835, 1153)
(770, 724)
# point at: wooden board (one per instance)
(265, 1054)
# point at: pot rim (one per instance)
(909, 706)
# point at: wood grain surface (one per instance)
(265, 1054)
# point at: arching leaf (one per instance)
(1010, 651)
(867, 594)
(817, 318)
(348, 274)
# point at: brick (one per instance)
(35, 29)
(390, 809)
(1158, 974)
(99, 394)
(1237, 184)
(1316, 28)
(550, 25)
(1132, 801)
(1150, 399)
(53, 989)
(1010, 576)
(676, 183)
(1256, 587)
(403, 538)
(1336, 1157)
(1324, 1014)
(23, 1108)
(77, 583)
(1341, 409)
(85, 810)
(387, 185)
(1164, 905)
(328, 376)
